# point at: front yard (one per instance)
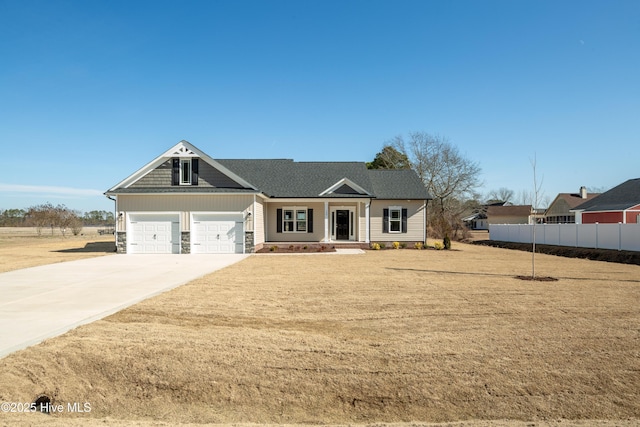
(388, 336)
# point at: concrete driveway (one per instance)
(41, 302)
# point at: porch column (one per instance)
(367, 220)
(326, 221)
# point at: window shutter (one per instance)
(175, 176)
(404, 220)
(279, 220)
(194, 171)
(385, 220)
(309, 220)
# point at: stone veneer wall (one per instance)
(248, 242)
(185, 242)
(121, 242)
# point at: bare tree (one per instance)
(537, 194)
(76, 224)
(47, 215)
(448, 175)
(64, 218)
(41, 216)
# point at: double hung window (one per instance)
(395, 220)
(294, 220)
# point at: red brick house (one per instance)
(621, 204)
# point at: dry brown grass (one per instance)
(22, 247)
(390, 336)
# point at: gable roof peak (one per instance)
(356, 189)
(181, 149)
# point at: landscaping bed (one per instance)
(609, 255)
(295, 248)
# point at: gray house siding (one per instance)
(159, 177)
(208, 176)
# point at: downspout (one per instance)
(115, 221)
(424, 221)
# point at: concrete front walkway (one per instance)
(42, 302)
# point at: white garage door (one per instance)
(153, 234)
(211, 234)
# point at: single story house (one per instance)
(478, 220)
(510, 214)
(560, 210)
(184, 201)
(621, 204)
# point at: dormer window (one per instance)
(185, 171)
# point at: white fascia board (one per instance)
(181, 149)
(165, 193)
(318, 200)
(342, 182)
(137, 174)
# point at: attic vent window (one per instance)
(185, 171)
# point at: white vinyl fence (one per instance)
(601, 236)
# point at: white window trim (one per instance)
(399, 220)
(184, 161)
(295, 210)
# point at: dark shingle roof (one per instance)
(286, 178)
(512, 210)
(397, 184)
(621, 197)
(573, 199)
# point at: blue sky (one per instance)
(90, 91)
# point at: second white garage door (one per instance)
(211, 233)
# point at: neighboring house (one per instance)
(560, 210)
(513, 214)
(184, 201)
(478, 220)
(620, 204)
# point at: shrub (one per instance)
(396, 245)
(375, 246)
(273, 248)
(438, 246)
(76, 226)
(418, 245)
(403, 245)
(382, 246)
(446, 242)
(305, 247)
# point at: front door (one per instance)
(342, 225)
